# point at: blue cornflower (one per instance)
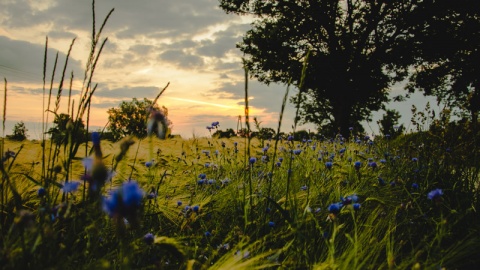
(211, 181)
(346, 201)
(271, 224)
(373, 164)
(112, 204)
(328, 165)
(208, 234)
(202, 176)
(41, 192)
(278, 164)
(414, 159)
(415, 186)
(357, 164)
(235, 144)
(334, 208)
(341, 151)
(152, 195)
(149, 238)
(297, 151)
(179, 203)
(383, 161)
(201, 181)
(350, 128)
(435, 194)
(195, 208)
(290, 138)
(71, 186)
(215, 124)
(253, 160)
(280, 159)
(125, 200)
(149, 164)
(132, 194)
(95, 138)
(303, 187)
(356, 206)
(207, 165)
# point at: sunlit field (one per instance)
(201, 203)
(297, 200)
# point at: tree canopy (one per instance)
(447, 49)
(64, 126)
(354, 52)
(132, 118)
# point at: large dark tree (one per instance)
(354, 52)
(447, 50)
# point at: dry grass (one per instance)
(176, 154)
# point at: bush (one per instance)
(131, 118)
(19, 132)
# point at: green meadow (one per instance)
(317, 203)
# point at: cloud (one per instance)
(268, 97)
(128, 92)
(154, 18)
(182, 59)
(22, 61)
(189, 37)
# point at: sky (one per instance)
(187, 43)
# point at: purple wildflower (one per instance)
(435, 194)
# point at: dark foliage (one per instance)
(131, 118)
(19, 132)
(61, 133)
(447, 49)
(354, 53)
(389, 123)
(224, 134)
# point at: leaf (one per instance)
(284, 212)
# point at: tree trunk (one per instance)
(341, 115)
